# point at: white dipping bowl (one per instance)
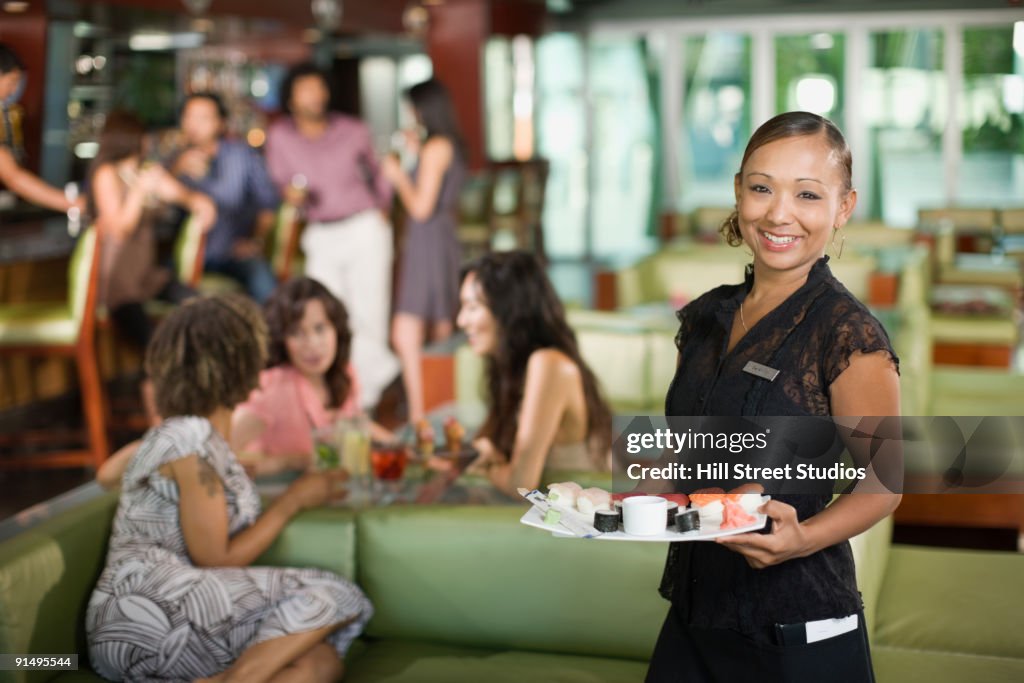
(644, 515)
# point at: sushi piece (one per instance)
(750, 502)
(617, 506)
(552, 516)
(681, 499)
(672, 508)
(588, 501)
(563, 495)
(710, 506)
(606, 520)
(688, 520)
(734, 517)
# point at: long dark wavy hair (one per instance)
(284, 311)
(434, 108)
(530, 316)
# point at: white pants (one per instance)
(352, 258)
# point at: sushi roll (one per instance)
(672, 509)
(617, 506)
(688, 520)
(606, 520)
(563, 495)
(589, 501)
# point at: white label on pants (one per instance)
(829, 628)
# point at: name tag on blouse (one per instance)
(762, 371)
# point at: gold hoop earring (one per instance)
(842, 242)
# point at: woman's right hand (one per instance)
(150, 178)
(192, 162)
(316, 488)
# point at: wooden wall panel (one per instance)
(455, 42)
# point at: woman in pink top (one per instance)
(310, 382)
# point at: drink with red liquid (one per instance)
(389, 462)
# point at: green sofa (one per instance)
(467, 595)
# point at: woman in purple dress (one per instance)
(429, 275)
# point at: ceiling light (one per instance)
(164, 41)
(15, 6)
(327, 14)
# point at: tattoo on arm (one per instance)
(208, 478)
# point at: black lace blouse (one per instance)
(809, 338)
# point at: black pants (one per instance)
(684, 654)
(132, 323)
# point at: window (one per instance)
(991, 171)
(561, 139)
(624, 103)
(904, 109)
(809, 74)
(716, 118)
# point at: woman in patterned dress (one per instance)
(177, 600)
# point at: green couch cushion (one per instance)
(903, 665)
(46, 577)
(974, 329)
(620, 358)
(371, 659)
(476, 576)
(955, 601)
(48, 324)
(413, 662)
(324, 538)
(977, 391)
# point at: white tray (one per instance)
(535, 518)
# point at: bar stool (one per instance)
(67, 329)
(284, 248)
(282, 252)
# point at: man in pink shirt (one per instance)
(325, 163)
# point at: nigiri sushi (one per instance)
(590, 500)
(710, 506)
(564, 494)
(750, 502)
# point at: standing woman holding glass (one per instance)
(126, 198)
(429, 275)
(744, 608)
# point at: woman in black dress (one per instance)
(743, 608)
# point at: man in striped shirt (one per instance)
(235, 177)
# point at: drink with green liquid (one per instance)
(355, 452)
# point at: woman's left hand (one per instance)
(787, 540)
(487, 458)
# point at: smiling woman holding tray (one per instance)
(544, 406)
(781, 606)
